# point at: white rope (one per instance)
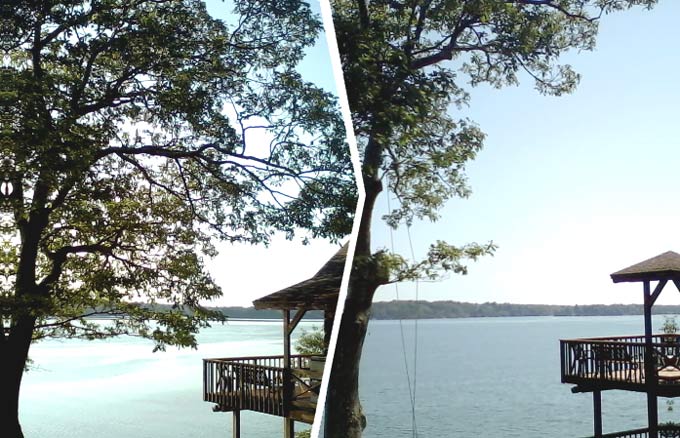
(411, 388)
(415, 337)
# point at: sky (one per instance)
(248, 272)
(570, 188)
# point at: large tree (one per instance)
(133, 135)
(408, 65)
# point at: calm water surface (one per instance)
(491, 377)
(119, 388)
(475, 377)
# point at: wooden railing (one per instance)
(663, 431)
(620, 359)
(249, 383)
(638, 433)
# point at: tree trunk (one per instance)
(344, 415)
(9, 404)
(14, 346)
(14, 353)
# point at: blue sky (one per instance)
(571, 188)
(316, 65)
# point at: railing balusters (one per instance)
(247, 382)
(619, 359)
(664, 431)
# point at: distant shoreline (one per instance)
(409, 309)
(387, 310)
(458, 309)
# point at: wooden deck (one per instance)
(620, 363)
(260, 384)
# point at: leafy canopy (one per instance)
(133, 134)
(311, 342)
(408, 66)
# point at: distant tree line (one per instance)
(453, 309)
(242, 312)
(252, 313)
(457, 309)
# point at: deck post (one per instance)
(287, 383)
(597, 413)
(652, 415)
(650, 372)
(288, 428)
(328, 317)
(236, 424)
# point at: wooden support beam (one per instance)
(597, 414)
(652, 415)
(296, 320)
(328, 317)
(648, 318)
(287, 374)
(677, 284)
(657, 290)
(650, 366)
(580, 389)
(288, 428)
(236, 424)
(649, 351)
(286, 339)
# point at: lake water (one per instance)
(119, 388)
(481, 376)
(496, 377)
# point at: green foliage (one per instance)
(670, 325)
(405, 309)
(304, 434)
(133, 135)
(441, 258)
(311, 342)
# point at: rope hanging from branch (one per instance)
(411, 381)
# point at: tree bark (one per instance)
(344, 415)
(14, 353)
(9, 403)
(14, 345)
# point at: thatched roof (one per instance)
(317, 293)
(664, 266)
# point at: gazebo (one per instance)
(287, 385)
(649, 363)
